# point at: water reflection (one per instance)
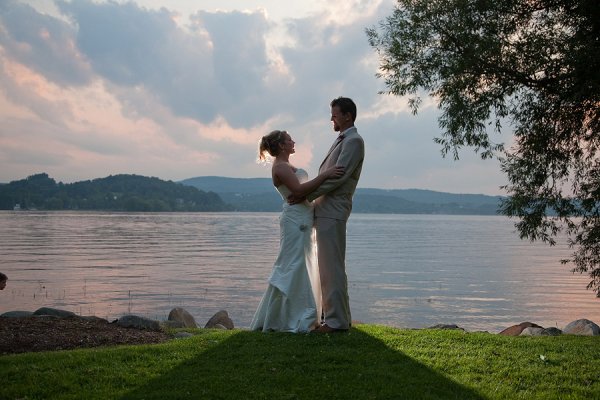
(404, 270)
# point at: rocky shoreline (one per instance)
(178, 318)
(54, 329)
(48, 329)
(181, 318)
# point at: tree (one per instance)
(115, 192)
(530, 64)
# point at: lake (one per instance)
(408, 271)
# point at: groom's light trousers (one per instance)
(331, 255)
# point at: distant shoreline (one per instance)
(135, 193)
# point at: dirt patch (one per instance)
(29, 334)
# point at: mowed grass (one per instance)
(368, 362)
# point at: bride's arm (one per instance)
(284, 173)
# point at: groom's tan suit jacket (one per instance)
(333, 199)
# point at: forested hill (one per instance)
(210, 193)
(258, 194)
(113, 193)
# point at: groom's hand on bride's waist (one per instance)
(291, 199)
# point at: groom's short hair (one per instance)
(346, 105)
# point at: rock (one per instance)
(181, 315)
(219, 326)
(220, 318)
(54, 312)
(516, 330)
(17, 314)
(172, 324)
(552, 331)
(583, 327)
(133, 321)
(532, 331)
(446, 326)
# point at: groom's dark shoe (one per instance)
(327, 329)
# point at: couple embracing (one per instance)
(308, 287)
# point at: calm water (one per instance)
(404, 270)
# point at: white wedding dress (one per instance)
(289, 303)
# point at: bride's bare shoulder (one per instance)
(283, 166)
(279, 170)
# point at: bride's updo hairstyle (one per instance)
(270, 144)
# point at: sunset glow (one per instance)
(177, 90)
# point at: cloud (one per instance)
(217, 66)
(131, 46)
(43, 43)
(240, 64)
(92, 88)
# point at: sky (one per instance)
(185, 88)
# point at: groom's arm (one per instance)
(350, 157)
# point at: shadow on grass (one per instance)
(250, 365)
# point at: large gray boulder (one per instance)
(54, 312)
(220, 318)
(17, 314)
(583, 327)
(552, 331)
(532, 331)
(181, 315)
(133, 321)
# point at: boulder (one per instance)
(446, 326)
(552, 331)
(516, 330)
(133, 321)
(583, 327)
(220, 318)
(172, 324)
(532, 331)
(181, 315)
(17, 314)
(54, 312)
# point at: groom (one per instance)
(333, 204)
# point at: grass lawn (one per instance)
(369, 362)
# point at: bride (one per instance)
(288, 304)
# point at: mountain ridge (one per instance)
(213, 193)
(258, 194)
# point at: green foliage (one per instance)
(369, 362)
(114, 193)
(534, 65)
